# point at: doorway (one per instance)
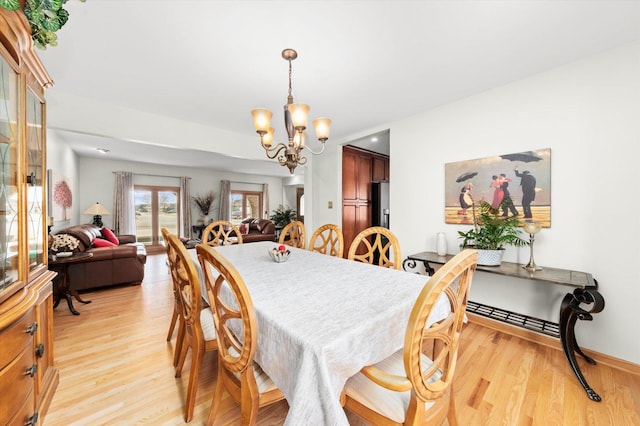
(156, 207)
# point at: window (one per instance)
(156, 207)
(245, 204)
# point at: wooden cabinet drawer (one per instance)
(16, 386)
(25, 414)
(15, 338)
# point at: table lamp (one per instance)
(532, 228)
(97, 210)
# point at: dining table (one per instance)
(321, 319)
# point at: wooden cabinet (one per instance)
(359, 169)
(28, 378)
(380, 169)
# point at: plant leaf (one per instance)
(10, 4)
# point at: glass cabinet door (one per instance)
(9, 232)
(35, 180)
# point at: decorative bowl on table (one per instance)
(279, 254)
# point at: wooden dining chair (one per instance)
(378, 246)
(413, 386)
(200, 334)
(237, 331)
(221, 232)
(327, 239)
(293, 235)
(176, 317)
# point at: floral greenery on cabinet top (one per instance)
(44, 16)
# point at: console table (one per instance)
(585, 291)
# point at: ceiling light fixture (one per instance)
(102, 150)
(295, 122)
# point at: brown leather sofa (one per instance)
(259, 230)
(109, 266)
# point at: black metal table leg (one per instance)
(570, 312)
(411, 264)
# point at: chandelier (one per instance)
(295, 122)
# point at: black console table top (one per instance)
(565, 277)
(585, 295)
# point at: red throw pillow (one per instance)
(244, 228)
(109, 235)
(99, 242)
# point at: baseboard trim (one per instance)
(532, 336)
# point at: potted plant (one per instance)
(282, 216)
(491, 233)
(204, 203)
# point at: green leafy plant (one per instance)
(282, 216)
(491, 231)
(45, 18)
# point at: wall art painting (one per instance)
(60, 197)
(522, 177)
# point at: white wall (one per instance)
(62, 160)
(587, 113)
(98, 180)
(93, 181)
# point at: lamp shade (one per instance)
(322, 126)
(261, 119)
(96, 209)
(299, 114)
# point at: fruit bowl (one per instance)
(279, 254)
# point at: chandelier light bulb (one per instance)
(267, 139)
(322, 126)
(299, 115)
(299, 138)
(261, 119)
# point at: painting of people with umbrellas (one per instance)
(518, 184)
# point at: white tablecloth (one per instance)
(320, 320)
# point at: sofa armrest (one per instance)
(126, 238)
(110, 253)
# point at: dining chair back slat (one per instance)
(237, 331)
(414, 386)
(199, 333)
(377, 246)
(293, 234)
(176, 316)
(327, 239)
(221, 232)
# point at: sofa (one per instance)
(112, 265)
(257, 230)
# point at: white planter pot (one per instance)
(490, 257)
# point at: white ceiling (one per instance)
(361, 63)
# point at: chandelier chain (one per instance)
(290, 98)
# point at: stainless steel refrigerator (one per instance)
(380, 204)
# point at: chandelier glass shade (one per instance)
(295, 121)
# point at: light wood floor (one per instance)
(116, 369)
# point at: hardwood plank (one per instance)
(116, 367)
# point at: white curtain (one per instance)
(124, 216)
(265, 200)
(185, 207)
(225, 193)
